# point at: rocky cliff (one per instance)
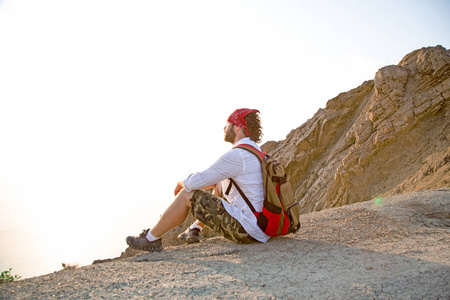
(388, 136)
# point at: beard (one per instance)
(230, 136)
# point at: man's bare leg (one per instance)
(174, 215)
(177, 212)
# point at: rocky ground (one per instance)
(391, 248)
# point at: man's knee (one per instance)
(185, 197)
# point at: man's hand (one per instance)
(179, 187)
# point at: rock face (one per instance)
(388, 136)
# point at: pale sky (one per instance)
(105, 105)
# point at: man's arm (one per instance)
(180, 186)
(227, 166)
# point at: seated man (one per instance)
(230, 217)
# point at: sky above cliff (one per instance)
(104, 105)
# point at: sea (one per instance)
(36, 248)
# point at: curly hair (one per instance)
(254, 126)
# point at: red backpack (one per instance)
(281, 213)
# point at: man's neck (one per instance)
(238, 139)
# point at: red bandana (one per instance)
(237, 118)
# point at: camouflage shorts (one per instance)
(209, 209)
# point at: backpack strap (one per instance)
(241, 193)
(261, 156)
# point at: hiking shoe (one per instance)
(190, 236)
(141, 243)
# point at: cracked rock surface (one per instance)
(391, 248)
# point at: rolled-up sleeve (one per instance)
(227, 166)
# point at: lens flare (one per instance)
(379, 201)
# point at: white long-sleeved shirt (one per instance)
(245, 169)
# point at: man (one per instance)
(231, 217)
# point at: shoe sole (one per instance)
(149, 249)
(192, 240)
